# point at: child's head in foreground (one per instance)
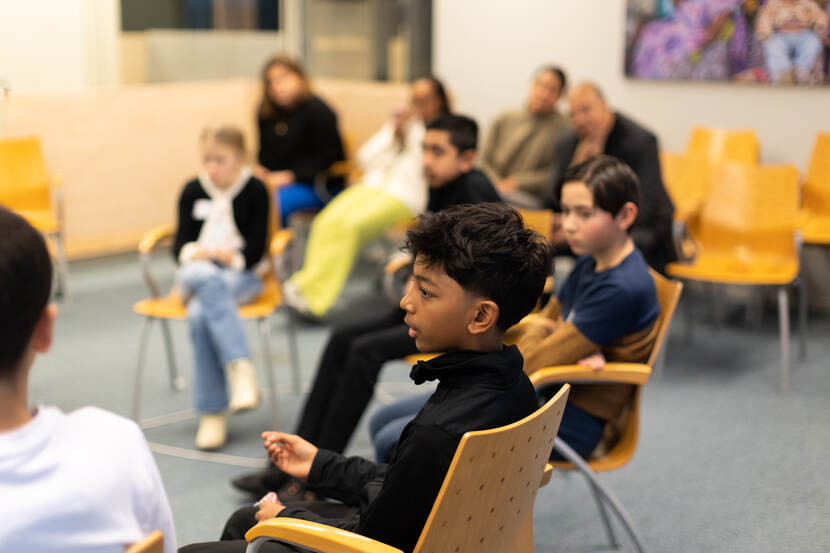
(598, 199)
(26, 320)
(449, 148)
(477, 272)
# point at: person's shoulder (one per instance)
(255, 186)
(483, 186)
(193, 188)
(633, 275)
(634, 130)
(97, 419)
(319, 105)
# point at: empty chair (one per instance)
(747, 237)
(815, 204)
(27, 188)
(717, 145)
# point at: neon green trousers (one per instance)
(353, 218)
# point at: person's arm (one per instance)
(543, 347)
(255, 230)
(533, 181)
(489, 151)
(562, 155)
(184, 245)
(652, 222)
(764, 25)
(321, 146)
(378, 144)
(398, 513)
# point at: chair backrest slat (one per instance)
(486, 502)
(153, 543)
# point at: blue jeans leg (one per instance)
(387, 423)
(216, 330)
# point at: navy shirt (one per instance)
(606, 305)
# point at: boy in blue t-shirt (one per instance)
(607, 308)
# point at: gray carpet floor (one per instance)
(725, 462)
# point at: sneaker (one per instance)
(213, 431)
(260, 483)
(243, 384)
(294, 299)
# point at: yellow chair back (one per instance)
(718, 145)
(540, 220)
(750, 211)
(816, 190)
(486, 501)
(152, 543)
(24, 182)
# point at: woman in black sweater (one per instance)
(298, 137)
(220, 241)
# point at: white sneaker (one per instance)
(293, 298)
(244, 385)
(213, 431)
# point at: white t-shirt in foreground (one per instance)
(79, 482)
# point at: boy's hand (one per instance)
(269, 509)
(595, 361)
(223, 256)
(292, 454)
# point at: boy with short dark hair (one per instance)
(477, 271)
(78, 482)
(355, 353)
(608, 305)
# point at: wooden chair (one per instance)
(27, 189)
(620, 453)
(153, 543)
(485, 503)
(163, 308)
(747, 237)
(815, 203)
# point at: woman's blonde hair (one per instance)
(227, 135)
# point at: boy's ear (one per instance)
(466, 160)
(45, 329)
(627, 215)
(485, 317)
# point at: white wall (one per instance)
(58, 45)
(486, 51)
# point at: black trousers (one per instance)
(233, 536)
(346, 377)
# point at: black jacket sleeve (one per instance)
(187, 228)
(396, 516)
(322, 145)
(254, 228)
(562, 155)
(655, 210)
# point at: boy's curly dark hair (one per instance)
(25, 285)
(486, 249)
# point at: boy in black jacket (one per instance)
(477, 272)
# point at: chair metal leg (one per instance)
(784, 328)
(608, 496)
(176, 382)
(62, 288)
(688, 306)
(802, 318)
(291, 331)
(144, 333)
(265, 333)
(603, 514)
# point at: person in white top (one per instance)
(392, 190)
(82, 482)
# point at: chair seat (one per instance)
(734, 268)
(172, 307)
(815, 229)
(42, 219)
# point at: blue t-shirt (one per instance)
(610, 304)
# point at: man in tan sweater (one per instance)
(518, 154)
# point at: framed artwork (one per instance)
(761, 41)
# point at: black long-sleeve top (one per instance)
(472, 187)
(250, 213)
(304, 140)
(637, 147)
(476, 391)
